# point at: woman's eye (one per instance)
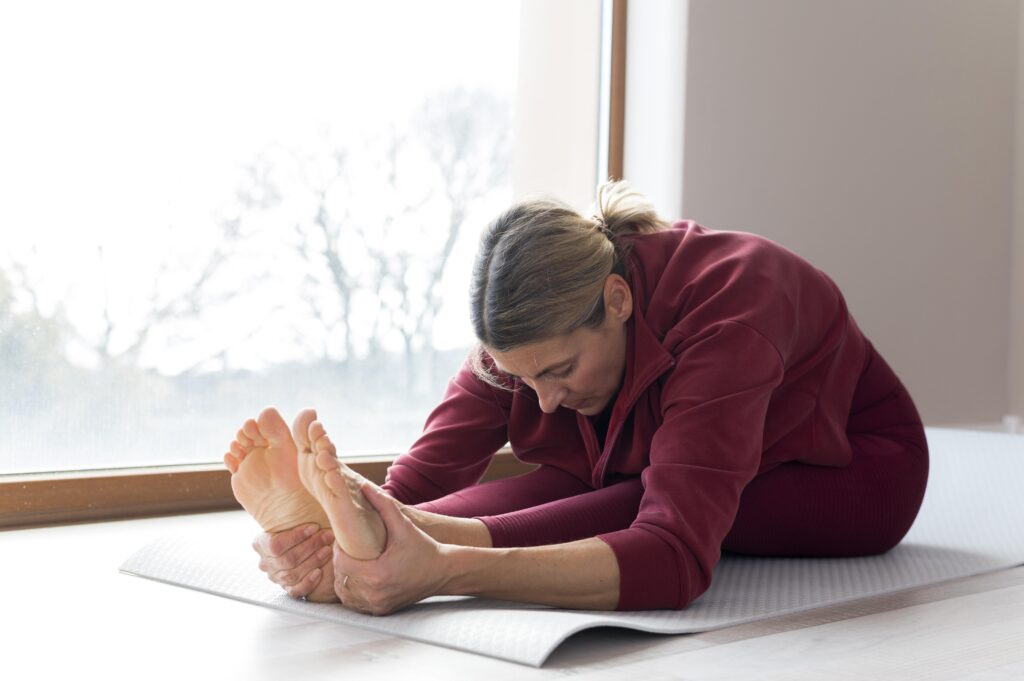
(565, 373)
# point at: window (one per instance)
(212, 207)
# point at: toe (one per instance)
(326, 461)
(321, 442)
(300, 428)
(251, 430)
(315, 430)
(273, 428)
(244, 439)
(239, 452)
(231, 462)
(336, 482)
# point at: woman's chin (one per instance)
(591, 407)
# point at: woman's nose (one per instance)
(549, 398)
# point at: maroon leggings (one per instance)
(864, 508)
(793, 509)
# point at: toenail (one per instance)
(328, 537)
(323, 553)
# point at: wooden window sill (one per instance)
(62, 498)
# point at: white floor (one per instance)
(68, 613)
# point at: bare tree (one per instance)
(30, 344)
(177, 292)
(464, 135)
(319, 246)
(362, 230)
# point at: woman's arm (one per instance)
(580, 574)
(517, 512)
(459, 440)
(545, 506)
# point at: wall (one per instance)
(875, 138)
(656, 38)
(1016, 368)
(555, 126)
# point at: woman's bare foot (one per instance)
(265, 475)
(357, 527)
(265, 480)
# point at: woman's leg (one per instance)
(539, 486)
(544, 506)
(584, 515)
(456, 518)
(864, 508)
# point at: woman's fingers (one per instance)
(290, 549)
(279, 543)
(305, 586)
(410, 569)
(345, 595)
(389, 508)
(294, 576)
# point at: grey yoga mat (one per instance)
(971, 522)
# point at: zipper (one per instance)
(589, 440)
(609, 441)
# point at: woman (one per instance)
(683, 390)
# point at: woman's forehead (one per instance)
(534, 359)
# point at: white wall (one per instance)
(875, 138)
(656, 101)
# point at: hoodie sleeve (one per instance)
(707, 449)
(459, 439)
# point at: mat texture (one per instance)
(971, 522)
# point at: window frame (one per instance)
(41, 499)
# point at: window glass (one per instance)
(210, 207)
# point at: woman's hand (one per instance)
(297, 559)
(412, 567)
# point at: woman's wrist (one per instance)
(580, 575)
(450, 530)
(470, 570)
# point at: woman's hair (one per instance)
(541, 267)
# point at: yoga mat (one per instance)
(971, 522)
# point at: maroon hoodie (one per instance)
(740, 356)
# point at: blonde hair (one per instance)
(541, 267)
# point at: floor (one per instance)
(68, 613)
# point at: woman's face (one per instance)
(581, 370)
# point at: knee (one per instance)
(884, 541)
(899, 524)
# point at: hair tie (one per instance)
(601, 226)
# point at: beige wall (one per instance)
(875, 138)
(1017, 243)
(555, 126)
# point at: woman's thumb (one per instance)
(384, 504)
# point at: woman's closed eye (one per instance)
(564, 373)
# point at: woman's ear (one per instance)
(618, 298)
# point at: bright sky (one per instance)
(125, 125)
